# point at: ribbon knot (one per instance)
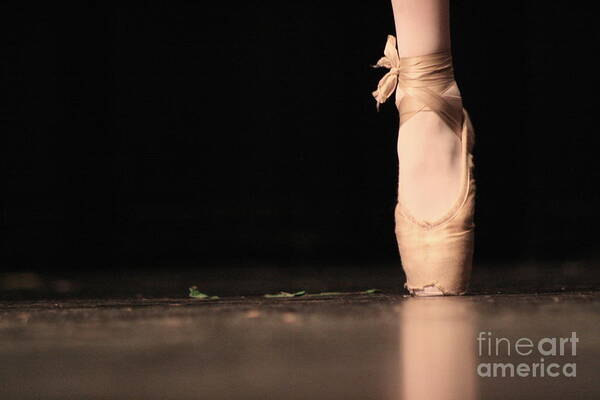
(388, 83)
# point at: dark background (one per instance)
(202, 133)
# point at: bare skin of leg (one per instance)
(428, 150)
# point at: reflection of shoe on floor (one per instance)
(436, 247)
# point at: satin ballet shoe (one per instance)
(436, 255)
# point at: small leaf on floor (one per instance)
(285, 294)
(196, 294)
(371, 291)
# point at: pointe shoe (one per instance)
(436, 255)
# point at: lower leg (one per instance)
(422, 26)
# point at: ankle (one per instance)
(453, 92)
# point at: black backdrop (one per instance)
(194, 133)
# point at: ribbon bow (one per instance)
(388, 83)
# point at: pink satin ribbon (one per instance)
(423, 81)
